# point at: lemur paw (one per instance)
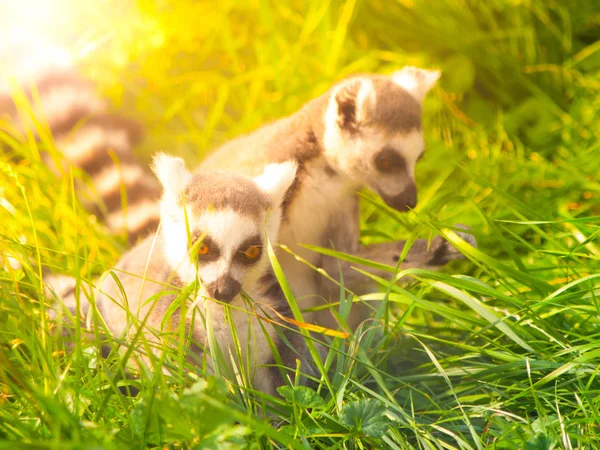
(442, 252)
(437, 253)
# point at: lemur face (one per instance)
(228, 249)
(387, 165)
(373, 132)
(215, 225)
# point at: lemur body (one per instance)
(229, 218)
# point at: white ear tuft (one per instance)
(276, 179)
(416, 81)
(171, 173)
(348, 103)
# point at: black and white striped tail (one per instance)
(90, 137)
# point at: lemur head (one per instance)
(214, 224)
(373, 131)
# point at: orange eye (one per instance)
(203, 249)
(252, 252)
(385, 164)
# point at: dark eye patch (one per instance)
(389, 160)
(241, 257)
(214, 251)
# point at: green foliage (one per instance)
(499, 351)
(365, 416)
(302, 396)
(163, 417)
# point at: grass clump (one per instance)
(498, 351)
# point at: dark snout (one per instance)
(403, 201)
(224, 289)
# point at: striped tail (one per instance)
(101, 143)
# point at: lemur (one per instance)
(214, 228)
(364, 132)
(89, 136)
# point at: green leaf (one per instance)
(302, 396)
(540, 442)
(365, 416)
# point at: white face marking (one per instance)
(354, 155)
(228, 231)
(410, 146)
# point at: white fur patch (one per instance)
(332, 135)
(276, 179)
(416, 81)
(58, 104)
(254, 346)
(111, 178)
(175, 241)
(366, 94)
(172, 174)
(134, 218)
(82, 145)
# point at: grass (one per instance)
(498, 351)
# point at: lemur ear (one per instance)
(172, 174)
(416, 81)
(348, 103)
(276, 180)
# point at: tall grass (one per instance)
(500, 350)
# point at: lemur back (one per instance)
(85, 131)
(214, 227)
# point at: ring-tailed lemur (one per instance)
(214, 227)
(364, 132)
(84, 130)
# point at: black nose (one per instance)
(224, 289)
(404, 201)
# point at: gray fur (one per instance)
(223, 190)
(396, 110)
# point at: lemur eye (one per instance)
(203, 249)
(388, 160)
(252, 252)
